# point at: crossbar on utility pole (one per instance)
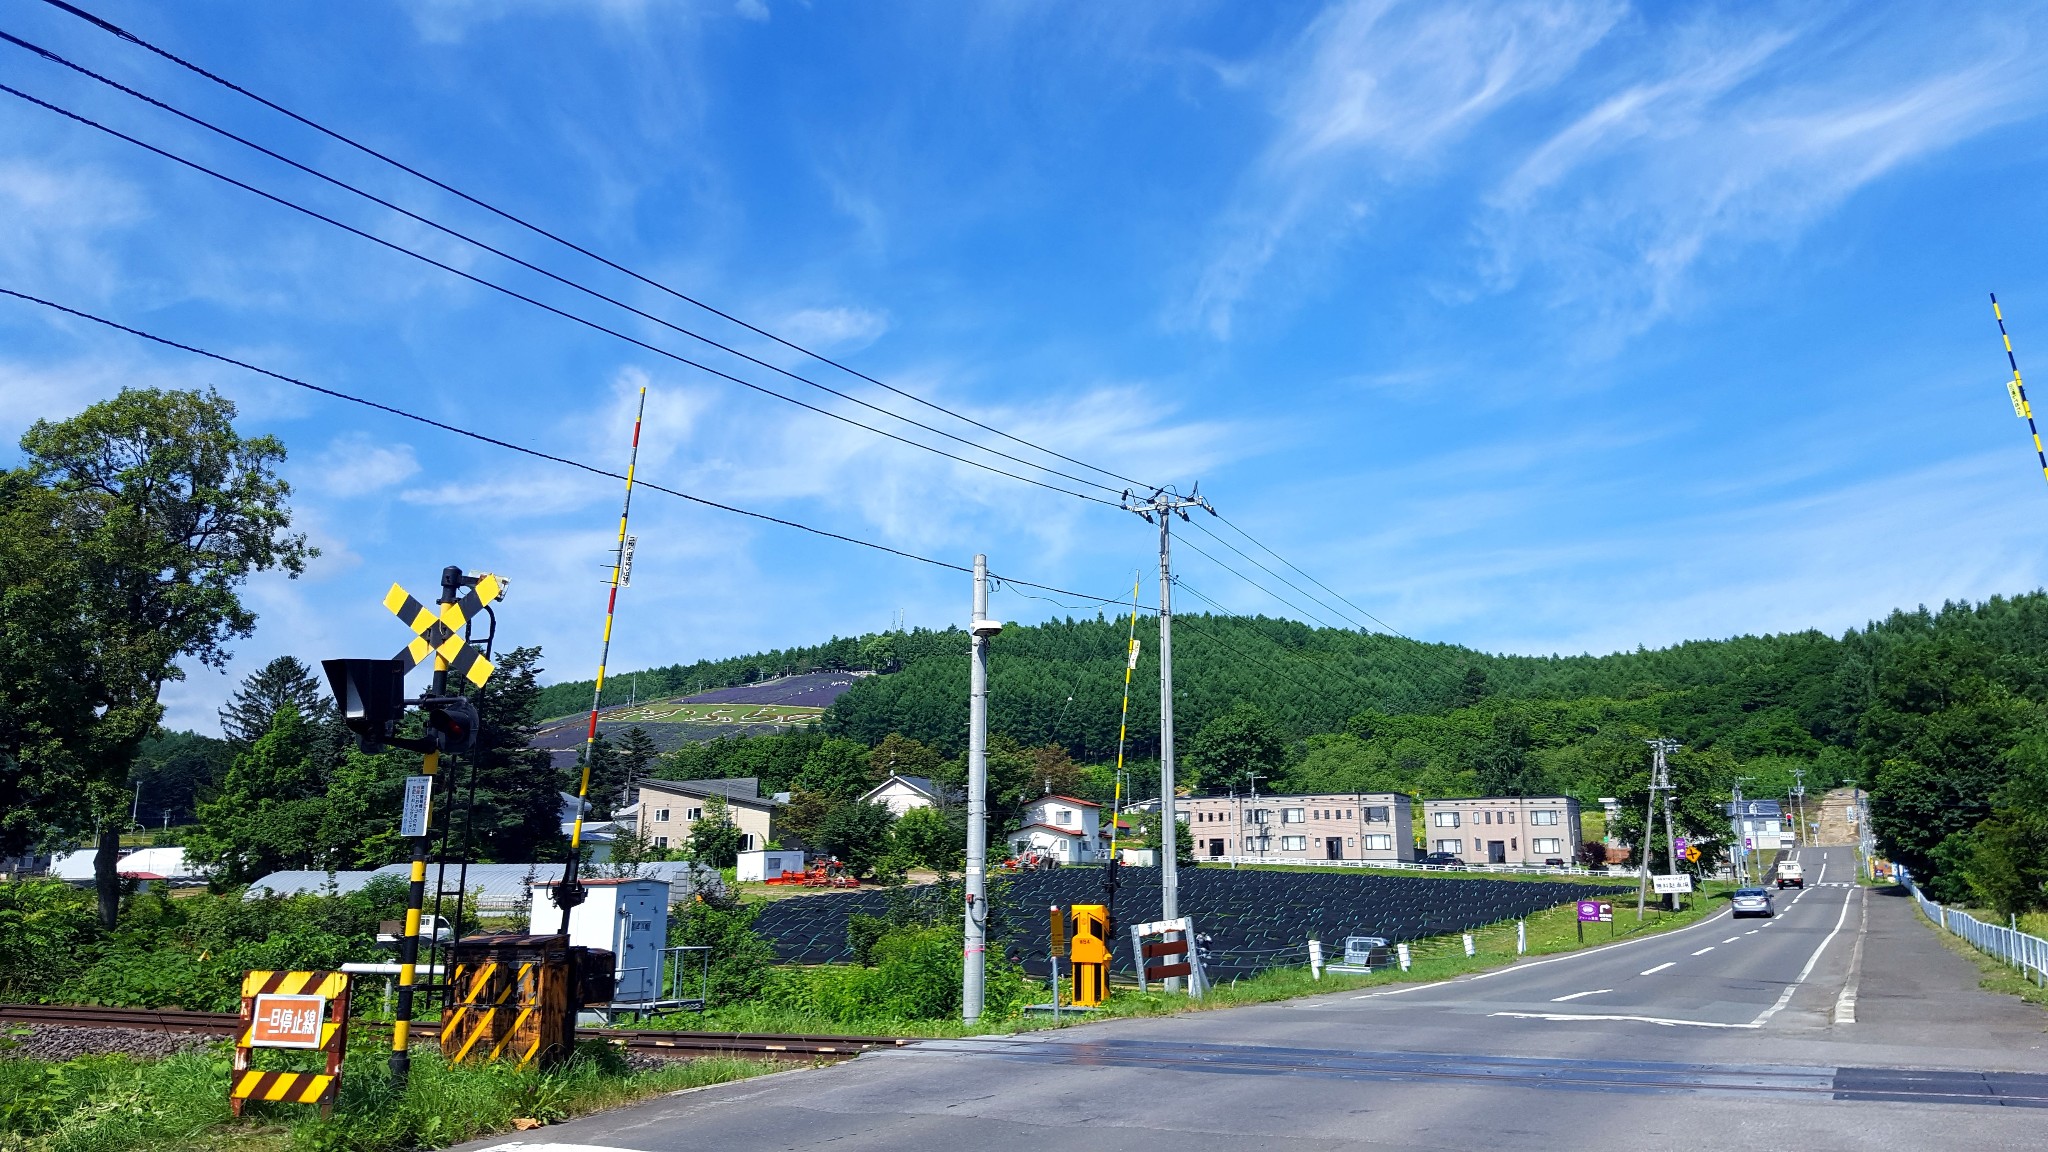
(1160, 508)
(975, 946)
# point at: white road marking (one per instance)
(1398, 991)
(523, 1146)
(1731, 940)
(1602, 948)
(1823, 868)
(1665, 1021)
(1576, 995)
(1786, 998)
(1845, 1004)
(1704, 951)
(1751, 932)
(1657, 969)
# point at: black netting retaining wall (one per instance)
(1256, 919)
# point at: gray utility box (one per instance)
(627, 918)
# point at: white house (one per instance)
(902, 793)
(1062, 828)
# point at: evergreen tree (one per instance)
(247, 714)
(637, 754)
(269, 812)
(518, 790)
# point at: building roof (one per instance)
(1356, 797)
(1498, 799)
(1076, 833)
(742, 790)
(1067, 799)
(493, 880)
(922, 785)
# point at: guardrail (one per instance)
(2024, 951)
(1416, 866)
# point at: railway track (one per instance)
(639, 1040)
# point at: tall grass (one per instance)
(115, 1104)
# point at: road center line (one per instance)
(1664, 1020)
(1731, 940)
(1751, 932)
(1704, 951)
(1786, 997)
(1576, 995)
(1657, 969)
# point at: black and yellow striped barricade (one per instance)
(511, 999)
(303, 1010)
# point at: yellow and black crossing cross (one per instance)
(439, 628)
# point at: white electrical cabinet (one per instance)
(628, 918)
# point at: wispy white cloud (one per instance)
(1736, 135)
(837, 329)
(1373, 92)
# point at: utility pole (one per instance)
(1739, 846)
(1660, 781)
(1799, 806)
(1160, 508)
(975, 952)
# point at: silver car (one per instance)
(1753, 902)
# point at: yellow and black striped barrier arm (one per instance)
(2017, 388)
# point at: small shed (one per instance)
(767, 864)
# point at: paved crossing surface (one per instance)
(1839, 1023)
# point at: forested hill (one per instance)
(1937, 709)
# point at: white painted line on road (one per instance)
(1576, 995)
(1823, 869)
(1602, 948)
(1845, 1004)
(1657, 969)
(1751, 932)
(1398, 991)
(1731, 940)
(1704, 951)
(1664, 1020)
(523, 1146)
(1786, 997)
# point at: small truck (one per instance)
(1790, 874)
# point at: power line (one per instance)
(530, 266)
(567, 315)
(132, 38)
(1311, 579)
(533, 452)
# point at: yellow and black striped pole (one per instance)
(2017, 389)
(1123, 727)
(416, 892)
(570, 892)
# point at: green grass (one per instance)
(1550, 931)
(114, 1104)
(1994, 975)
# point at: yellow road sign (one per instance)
(439, 628)
(1692, 855)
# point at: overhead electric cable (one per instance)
(138, 41)
(533, 452)
(1339, 613)
(1317, 620)
(532, 267)
(567, 315)
(1312, 579)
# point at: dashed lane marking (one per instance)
(1576, 995)
(1704, 951)
(1657, 969)
(1731, 940)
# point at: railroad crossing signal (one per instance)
(438, 630)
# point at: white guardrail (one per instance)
(2026, 952)
(1413, 866)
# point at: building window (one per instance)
(746, 841)
(661, 815)
(1511, 817)
(1478, 845)
(1452, 846)
(1259, 816)
(1546, 816)
(1063, 816)
(1294, 843)
(1293, 815)
(661, 842)
(1350, 840)
(1379, 842)
(1547, 844)
(694, 814)
(1514, 844)
(1445, 820)
(1379, 815)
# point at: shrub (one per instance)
(46, 931)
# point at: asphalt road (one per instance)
(1840, 1023)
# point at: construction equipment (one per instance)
(828, 873)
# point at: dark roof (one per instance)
(739, 789)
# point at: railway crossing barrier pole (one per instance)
(974, 969)
(416, 892)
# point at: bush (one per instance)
(740, 959)
(46, 931)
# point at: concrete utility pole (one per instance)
(975, 949)
(1799, 806)
(1660, 781)
(1739, 846)
(1160, 508)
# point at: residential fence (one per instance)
(2026, 952)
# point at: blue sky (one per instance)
(1538, 327)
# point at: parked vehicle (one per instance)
(1753, 902)
(1791, 874)
(1450, 858)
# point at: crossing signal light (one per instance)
(372, 698)
(452, 722)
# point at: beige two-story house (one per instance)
(667, 808)
(1533, 830)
